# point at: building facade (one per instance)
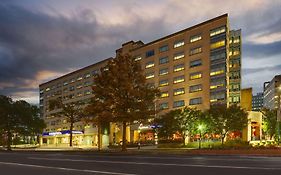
(271, 93)
(257, 102)
(197, 67)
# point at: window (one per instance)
(164, 105)
(164, 71)
(79, 86)
(149, 75)
(196, 50)
(65, 83)
(79, 94)
(217, 31)
(217, 97)
(87, 75)
(217, 84)
(218, 44)
(163, 60)
(195, 38)
(178, 67)
(217, 71)
(163, 82)
(179, 103)
(178, 43)
(149, 64)
(137, 58)
(218, 55)
(71, 88)
(195, 88)
(163, 48)
(195, 63)
(195, 101)
(95, 72)
(72, 80)
(149, 53)
(87, 92)
(47, 89)
(179, 91)
(178, 55)
(164, 94)
(195, 75)
(79, 78)
(179, 79)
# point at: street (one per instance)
(60, 163)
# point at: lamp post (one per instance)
(200, 127)
(139, 130)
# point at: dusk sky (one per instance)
(41, 40)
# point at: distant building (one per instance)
(257, 102)
(271, 93)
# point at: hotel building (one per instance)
(198, 66)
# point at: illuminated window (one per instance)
(163, 60)
(149, 64)
(218, 44)
(178, 67)
(195, 75)
(87, 92)
(137, 58)
(195, 101)
(195, 63)
(79, 94)
(149, 75)
(236, 40)
(149, 53)
(163, 48)
(164, 94)
(164, 105)
(178, 55)
(65, 83)
(79, 86)
(179, 79)
(217, 84)
(179, 91)
(87, 75)
(72, 80)
(217, 71)
(47, 89)
(217, 31)
(79, 78)
(178, 43)
(217, 97)
(163, 82)
(164, 71)
(196, 50)
(195, 88)
(195, 38)
(179, 103)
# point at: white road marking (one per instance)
(158, 164)
(64, 169)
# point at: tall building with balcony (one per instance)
(197, 67)
(257, 102)
(272, 92)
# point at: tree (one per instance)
(71, 111)
(121, 87)
(269, 121)
(228, 119)
(18, 117)
(183, 121)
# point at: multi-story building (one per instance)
(271, 93)
(257, 102)
(198, 66)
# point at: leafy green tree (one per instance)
(122, 88)
(183, 121)
(18, 117)
(228, 119)
(269, 122)
(72, 112)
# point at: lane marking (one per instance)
(157, 164)
(64, 169)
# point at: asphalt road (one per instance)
(21, 163)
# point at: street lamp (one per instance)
(139, 130)
(200, 128)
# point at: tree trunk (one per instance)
(9, 141)
(99, 136)
(70, 138)
(124, 137)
